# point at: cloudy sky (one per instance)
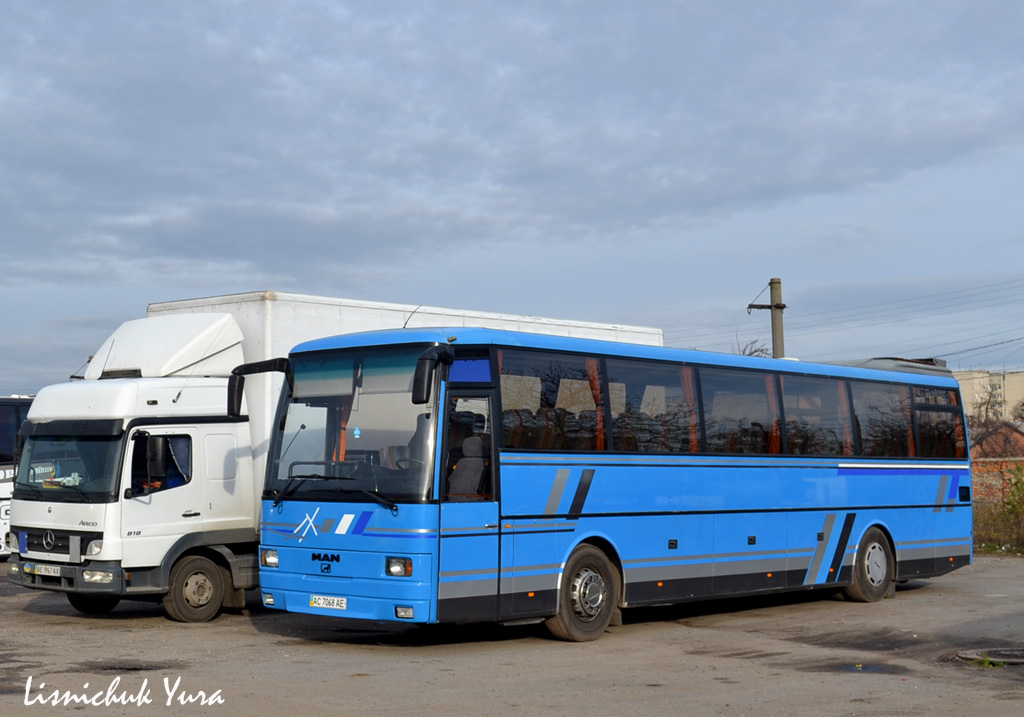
(651, 163)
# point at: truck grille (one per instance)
(56, 542)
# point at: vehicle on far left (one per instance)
(13, 410)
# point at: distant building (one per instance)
(997, 439)
(991, 395)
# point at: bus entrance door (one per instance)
(468, 574)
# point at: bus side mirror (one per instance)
(424, 376)
(236, 381)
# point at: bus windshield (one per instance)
(349, 431)
(71, 469)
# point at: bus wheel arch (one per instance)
(874, 567)
(588, 595)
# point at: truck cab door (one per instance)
(161, 496)
(468, 575)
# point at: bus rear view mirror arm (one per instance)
(441, 353)
(236, 381)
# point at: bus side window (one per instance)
(741, 411)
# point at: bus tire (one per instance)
(197, 590)
(93, 604)
(587, 597)
(873, 569)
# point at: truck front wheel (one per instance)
(197, 590)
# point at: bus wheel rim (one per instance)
(589, 592)
(875, 564)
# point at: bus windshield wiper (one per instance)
(376, 497)
(296, 479)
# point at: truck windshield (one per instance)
(71, 469)
(350, 432)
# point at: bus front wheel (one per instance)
(586, 598)
(873, 569)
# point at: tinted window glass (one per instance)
(653, 407)
(740, 411)
(551, 401)
(817, 416)
(883, 419)
(940, 426)
(8, 430)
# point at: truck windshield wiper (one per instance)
(85, 496)
(38, 491)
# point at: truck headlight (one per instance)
(268, 557)
(94, 548)
(97, 576)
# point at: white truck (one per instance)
(135, 484)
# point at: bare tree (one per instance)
(753, 347)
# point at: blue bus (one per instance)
(469, 475)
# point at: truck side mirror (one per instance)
(156, 456)
(424, 376)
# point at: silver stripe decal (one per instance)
(941, 497)
(819, 554)
(561, 478)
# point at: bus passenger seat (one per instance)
(464, 482)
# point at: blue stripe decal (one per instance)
(364, 518)
(581, 493)
(954, 485)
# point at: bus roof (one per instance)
(472, 336)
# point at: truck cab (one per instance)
(135, 484)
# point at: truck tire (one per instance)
(197, 590)
(93, 604)
(587, 597)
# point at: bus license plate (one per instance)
(52, 571)
(331, 603)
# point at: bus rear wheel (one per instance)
(586, 598)
(93, 604)
(873, 569)
(197, 590)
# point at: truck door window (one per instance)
(178, 469)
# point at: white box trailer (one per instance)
(135, 484)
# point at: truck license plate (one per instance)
(49, 570)
(331, 603)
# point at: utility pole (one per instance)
(776, 306)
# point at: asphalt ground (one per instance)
(794, 654)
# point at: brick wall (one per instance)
(988, 476)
